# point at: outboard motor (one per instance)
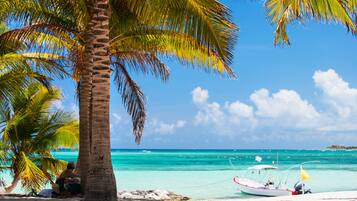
(300, 188)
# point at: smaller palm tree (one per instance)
(30, 129)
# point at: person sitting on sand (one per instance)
(69, 181)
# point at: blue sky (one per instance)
(301, 96)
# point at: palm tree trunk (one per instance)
(13, 184)
(84, 109)
(101, 183)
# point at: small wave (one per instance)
(146, 151)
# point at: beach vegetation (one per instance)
(285, 12)
(21, 65)
(31, 127)
(139, 37)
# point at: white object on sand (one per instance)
(164, 195)
(128, 195)
(147, 195)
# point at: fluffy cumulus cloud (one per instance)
(199, 95)
(166, 128)
(340, 98)
(284, 110)
(337, 92)
(212, 113)
(239, 111)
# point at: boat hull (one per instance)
(264, 191)
(254, 188)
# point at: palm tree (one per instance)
(101, 181)
(30, 129)
(284, 12)
(138, 35)
(101, 173)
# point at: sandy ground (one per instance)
(331, 196)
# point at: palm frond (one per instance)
(133, 99)
(50, 164)
(41, 99)
(208, 21)
(3, 157)
(284, 12)
(168, 43)
(67, 136)
(57, 130)
(13, 82)
(42, 63)
(58, 12)
(80, 12)
(42, 37)
(32, 177)
(144, 62)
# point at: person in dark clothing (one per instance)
(300, 188)
(69, 181)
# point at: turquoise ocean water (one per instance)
(209, 173)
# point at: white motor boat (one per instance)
(252, 187)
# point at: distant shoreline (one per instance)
(341, 147)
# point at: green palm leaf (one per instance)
(284, 12)
(51, 165)
(31, 129)
(168, 43)
(133, 99)
(32, 177)
(145, 62)
(208, 21)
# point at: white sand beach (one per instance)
(330, 196)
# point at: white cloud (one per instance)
(167, 128)
(285, 108)
(284, 111)
(199, 95)
(210, 112)
(222, 118)
(337, 92)
(340, 99)
(241, 114)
